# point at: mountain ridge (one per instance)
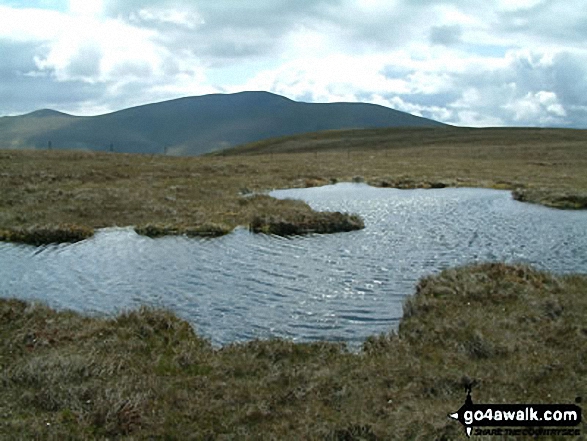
(44, 113)
(196, 125)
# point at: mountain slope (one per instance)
(196, 125)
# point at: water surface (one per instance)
(341, 287)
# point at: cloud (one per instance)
(85, 8)
(173, 17)
(460, 61)
(527, 88)
(221, 32)
(118, 64)
(518, 5)
(23, 25)
(23, 88)
(542, 106)
(446, 35)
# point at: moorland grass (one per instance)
(212, 195)
(517, 335)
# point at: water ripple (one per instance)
(340, 287)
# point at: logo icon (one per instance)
(467, 407)
(472, 415)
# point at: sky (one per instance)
(463, 62)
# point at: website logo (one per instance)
(505, 416)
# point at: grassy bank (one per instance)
(41, 190)
(517, 335)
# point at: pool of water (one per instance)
(339, 287)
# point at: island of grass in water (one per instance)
(341, 287)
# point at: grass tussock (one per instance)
(552, 198)
(516, 334)
(46, 234)
(205, 230)
(214, 194)
(320, 223)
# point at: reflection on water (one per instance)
(333, 287)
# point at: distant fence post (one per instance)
(111, 147)
(49, 145)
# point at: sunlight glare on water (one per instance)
(338, 287)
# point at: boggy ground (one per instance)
(57, 194)
(516, 335)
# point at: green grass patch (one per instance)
(518, 335)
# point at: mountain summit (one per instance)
(196, 125)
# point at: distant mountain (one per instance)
(195, 125)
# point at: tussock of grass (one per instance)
(407, 183)
(41, 235)
(205, 230)
(551, 198)
(516, 334)
(320, 223)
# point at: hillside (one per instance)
(457, 139)
(195, 125)
(175, 195)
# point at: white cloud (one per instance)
(110, 49)
(541, 106)
(85, 8)
(463, 62)
(337, 77)
(186, 18)
(30, 24)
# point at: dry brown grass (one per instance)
(212, 194)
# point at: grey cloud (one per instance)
(232, 29)
(228, 46)
(277, 15)
(396, 72)
(569, 73)
(547, 22)
(446, 35)
(136, 69)
(86, 63)
(430, 100)
(406, 21)
(498, 90)
(383, 30)
(21, 92)
(23, 89)
(228, 29)
(481, 95)
(229, 13)
(18, 57)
